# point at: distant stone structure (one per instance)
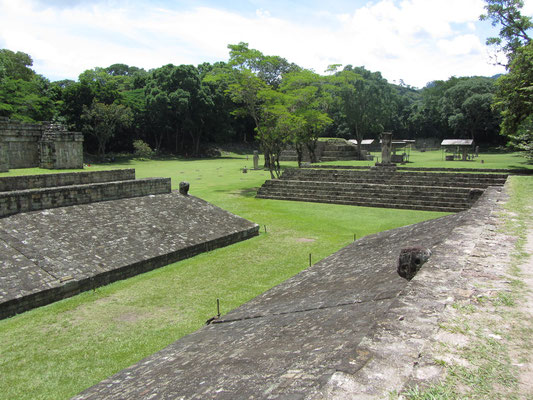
(42, 145)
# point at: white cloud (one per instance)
(413, 40)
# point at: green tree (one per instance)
(364, 101)
(276, 125)
(308, 101)
(466, 106)
(102, 122)
(24, 95)
(514, 26)
(178, 103)
(16, 65)
(514, 98)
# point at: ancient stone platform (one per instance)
(297, 340)
(51, 254)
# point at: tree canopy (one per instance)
(253, 97)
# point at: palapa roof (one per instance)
(457, 142)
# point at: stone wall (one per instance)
(4, 165)
(10, 183)
(60, 149)
(45, 145)
(22, 143)
(38, 199)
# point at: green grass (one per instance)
(435, 159)
(56, 351)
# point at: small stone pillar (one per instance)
(477, 151)
(256, 159)
(184, 188)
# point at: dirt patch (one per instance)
(526, 307)
(305, 240)
(127, 317)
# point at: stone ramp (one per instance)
(289, 341)
(56, 253)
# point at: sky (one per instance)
(409, 41)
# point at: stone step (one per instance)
(405, 182)
(331, 153)
(339, 158)
(408, 178)
(18, 201)
(366, 203)
(461, 202)
(375, 190)
(377, 173)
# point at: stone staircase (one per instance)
(445, 192)
(337, 151)
(331, 150)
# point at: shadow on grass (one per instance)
(249, 192)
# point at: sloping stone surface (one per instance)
(290, 341)
(50, 254)
(395, 352)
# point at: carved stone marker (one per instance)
(184, 188)
(410, 261)
(256, 159)
(386, 147)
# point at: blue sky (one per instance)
(413, 40)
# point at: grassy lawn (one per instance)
(435, 159)
(56, 351)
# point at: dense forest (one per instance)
(252, 96)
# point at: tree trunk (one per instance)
(311, 148)
(299, 153)
(267, 159)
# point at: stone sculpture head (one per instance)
(410, 261)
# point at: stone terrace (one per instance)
(39, 192)
(427, 191)
(293, 341)
(52, 254)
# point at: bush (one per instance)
(142, 150)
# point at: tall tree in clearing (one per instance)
(514, 97)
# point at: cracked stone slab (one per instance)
(51, 254)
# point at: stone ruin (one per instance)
(61, 234)
(347, 327)
(43, 145)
